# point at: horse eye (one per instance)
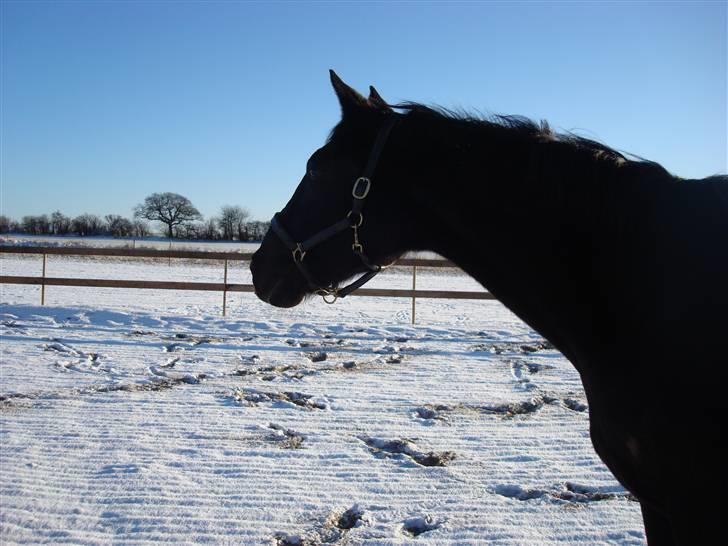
(313, 174)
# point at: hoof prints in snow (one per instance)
(407, 448)
(432, 412)
(254, 397)
(160, 384)
(12, 324)
(570, 492)
(317, 357)
(519, 366)
(285, 437)
(352, 365)
(574, 405)
(197, 340)
(517, 408)
(283, 539)
(140, 333)
(7, 399)
(348, 519)
(83, 362)
(414, 527)
(183, 342)
(56, 345)
(271, 373)
(500, 348)
(332, 530)
(324, 343)
(439, 412)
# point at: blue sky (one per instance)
(106, 102)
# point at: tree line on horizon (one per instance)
(175, 213)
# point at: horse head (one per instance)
(345, 217)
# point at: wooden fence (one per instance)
(223, 287)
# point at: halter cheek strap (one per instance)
(354, 220)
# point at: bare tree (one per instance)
(168, 208)
(118, 226)
(140, 229)
(36, 225)
(232, 221)
(256, 230)
(209, 230)
(60, 223)
(6, 224)
(87, 224)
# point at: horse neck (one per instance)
(514, 213)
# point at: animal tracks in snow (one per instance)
(253, 397)
(337, 526)
(568, 492)
(513, 347)
(523, 370)
(408, 449)
(508, 410)
(414, 424)
(80, 361)
(414, 527)
(332, 530)
(159, 384)
(283, 437)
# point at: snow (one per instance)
(141, 417)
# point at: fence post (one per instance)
(414, 286)
(224, 290)
(42, 286)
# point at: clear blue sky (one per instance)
(106, 102)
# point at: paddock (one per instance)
(145, 416)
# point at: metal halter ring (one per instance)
(328, 293)
(361, 218)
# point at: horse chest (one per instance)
(623, 455)
(626, 452)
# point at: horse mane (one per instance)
(525, 128)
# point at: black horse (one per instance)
(621, 265)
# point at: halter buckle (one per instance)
(361, 187)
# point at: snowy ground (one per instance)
(140, 417)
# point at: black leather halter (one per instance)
(353, 220)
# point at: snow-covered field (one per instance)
(144, 417)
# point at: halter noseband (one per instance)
(354, 219)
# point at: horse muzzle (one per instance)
(280, 290)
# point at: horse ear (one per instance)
(349, 99)
(376, 100)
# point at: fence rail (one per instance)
(223, 287)
(183, 254)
